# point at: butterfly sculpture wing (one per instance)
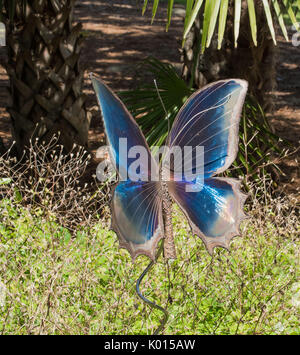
(122, 132)
(210, 118)
(136, 205)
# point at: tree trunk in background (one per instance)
(46, 81)
(255, 64)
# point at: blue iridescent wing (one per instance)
(119, 124)
(210, 118)
(215, 212)
(137, 217)
(136, 205)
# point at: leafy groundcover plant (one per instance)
(61, 271)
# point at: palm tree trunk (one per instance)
(255, 64)
(46, 81)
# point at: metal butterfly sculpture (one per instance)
(141, 210)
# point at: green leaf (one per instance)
(291, 14)
(5, 181)
(222, 21)
(188, 11)
(269, 19)
(170, 8)
(206, 20)
(144, 7)
(18, 195)
(192, 18)
(252, 19)
(237, 18)
(280, 19)
(154, 9)
(215, 6)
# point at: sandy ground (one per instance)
(286, 116)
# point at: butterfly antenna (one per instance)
(161, 101)
(146, 300)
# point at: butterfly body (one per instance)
(169, 245)
(142, 201)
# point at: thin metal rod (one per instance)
(146, 300)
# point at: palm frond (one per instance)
(222, 21)
(269, 19)
(237, 20)
(145, 105)
(275, 11)
(170, 8)
(280, 19)
(192, 17)
(257, 142)
(252, 19)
